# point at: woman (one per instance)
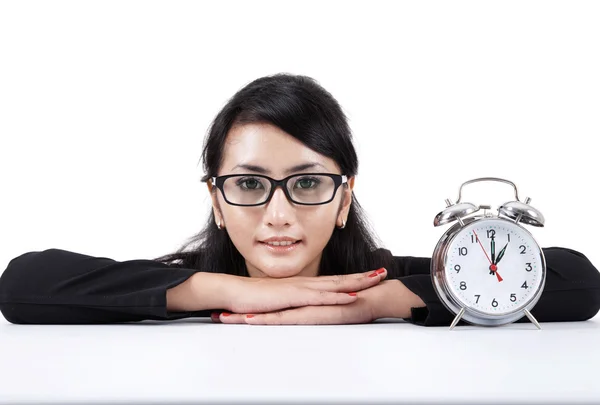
(286, 241)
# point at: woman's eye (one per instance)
(249, 184)
(306, 183)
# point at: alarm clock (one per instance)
(487, 268)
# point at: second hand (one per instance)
(492, 265)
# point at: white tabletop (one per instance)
(193, 360)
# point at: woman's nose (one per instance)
(279, 208)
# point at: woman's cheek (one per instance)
(321, 230)
(242, 238)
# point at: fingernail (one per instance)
(225, 314)
(374, 274)
(381, 270)
(249, 316)
(352, 294)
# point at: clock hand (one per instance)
(493, 247)
(492, 265)
(501, 254)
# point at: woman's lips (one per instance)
(281, 248)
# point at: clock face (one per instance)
(493, 266)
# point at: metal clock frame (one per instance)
(511, 212)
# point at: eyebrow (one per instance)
(293, 169)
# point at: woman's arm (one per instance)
(60, 287)
(571, 291)
(56, 286)
(200, 292)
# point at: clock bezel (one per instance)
(472, 315)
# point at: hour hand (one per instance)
(501, 254)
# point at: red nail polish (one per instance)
(225, 314)
(381, 270)
(249, 316)
(374, 274)
(352, 294)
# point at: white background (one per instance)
(104, 107)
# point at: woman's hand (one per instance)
(388, 299)
(259, 295)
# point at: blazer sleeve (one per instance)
(571, 291)
(56, 286)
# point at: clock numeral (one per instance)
(513, 297)
(508, 234)
(490, 233)
(462, 251)
(477, 298)
(474, 239)
(522, 247)
(528, 268)
(463, 285)
(457, 268)
(494, 303)
(524, 285)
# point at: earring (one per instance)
(343, 224)
(219, 225)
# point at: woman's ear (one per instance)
(348, 193)
(346, 201)
(351, 182)
(212, 190)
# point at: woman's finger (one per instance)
(349, 282)
(297, 316)
(321, 315)
(351, 275)
(228, 317)
(301, 297)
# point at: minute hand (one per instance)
(501, 254)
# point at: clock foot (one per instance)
(457, 318)
(532, 319)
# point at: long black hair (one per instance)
(299, 106)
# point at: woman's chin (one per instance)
(277, 268)
(281, 272)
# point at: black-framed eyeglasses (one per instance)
(248, 190)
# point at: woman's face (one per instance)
(277, 152)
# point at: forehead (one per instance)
(266, 145)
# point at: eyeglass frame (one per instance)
(338, 180)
